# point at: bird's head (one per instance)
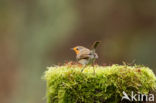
(78, 49)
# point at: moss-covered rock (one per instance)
(66, 84)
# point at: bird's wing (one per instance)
(85, 54)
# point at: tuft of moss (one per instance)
(66, 84)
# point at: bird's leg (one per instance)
(93, 67)
(83, 68)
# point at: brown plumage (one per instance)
(86, 56)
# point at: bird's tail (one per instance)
(95, 44)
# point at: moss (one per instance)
(66, 84)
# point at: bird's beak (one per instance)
(71, 48)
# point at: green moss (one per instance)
(66, 84)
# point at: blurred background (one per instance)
(35, 34)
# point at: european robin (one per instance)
(86, 56)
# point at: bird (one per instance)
(86, 56)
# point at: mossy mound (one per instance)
(66, 84)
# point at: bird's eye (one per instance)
(77, 49)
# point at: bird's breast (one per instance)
(83, 61)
